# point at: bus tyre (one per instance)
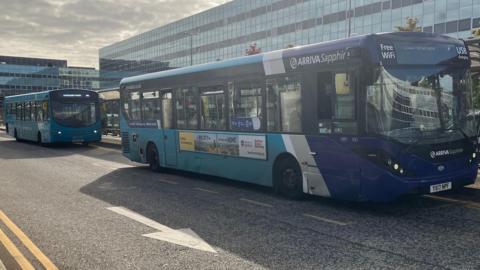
(153, 158)
(15, 135)
(39, 139)
(288, 178)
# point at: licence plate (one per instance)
(440, 187)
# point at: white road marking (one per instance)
(183, 237)
(167, 181)
(326, 220)
(257, 203)
(207, 190)
(468, 204)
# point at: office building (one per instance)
(227, 30)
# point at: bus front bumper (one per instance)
(390, 187)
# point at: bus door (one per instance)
(337, 127)
(168, 133)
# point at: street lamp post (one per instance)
(349, 14)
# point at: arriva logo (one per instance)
(328, 58)
(293, 63)
(441, 153)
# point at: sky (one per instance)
(75, 30)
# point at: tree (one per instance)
(476, 32)
(252, 49)
(410, 26)
(476, 92)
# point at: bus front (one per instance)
(76, 116)
(419, 117)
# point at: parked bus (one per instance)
(58, 116)
(110, 111)
(367, 118)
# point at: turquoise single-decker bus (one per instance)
(57, 116)
(367, 118)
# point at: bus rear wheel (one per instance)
(39, 138)
(15, 135)
(153, 158)
(288, 178)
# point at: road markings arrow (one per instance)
(182, 237)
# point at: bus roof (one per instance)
(346, 43)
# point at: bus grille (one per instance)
(125, 142)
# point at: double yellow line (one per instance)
(16, 254)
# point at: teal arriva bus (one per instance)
(365, 118)
(57, 116)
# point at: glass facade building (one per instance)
(20, 75)
(227, 30)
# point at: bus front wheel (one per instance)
(153, 158)
(288, 178)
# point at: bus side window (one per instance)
(246, 106)
(167, 110)
(33, 111)
(151, 105)
(284, 107)
(336, 103)
(18, 111)
(24, 110)
(45, 114)
(135, 106)
(212, 100)
(186, 106)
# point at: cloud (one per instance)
(76, 29)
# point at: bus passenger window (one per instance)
(336, 103)
(135, 107)
(45, 114)
(344, 105)
(33, 111)
(28, 110)
(167, 110)
(18, 110)
(186, 105)
(246, 104)
(284, 107)
(213, 107)
(151, 105)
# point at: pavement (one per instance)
(90, 208)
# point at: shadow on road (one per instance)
(178, 207)
(11, 150)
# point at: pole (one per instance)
(349, 18)
(191, 49)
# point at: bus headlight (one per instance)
(474, 155)
(95, 131)
(59, 133)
